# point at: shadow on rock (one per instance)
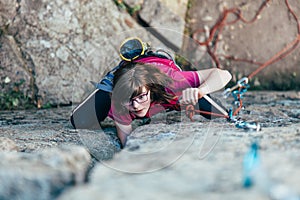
(102, 145)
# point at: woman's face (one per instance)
(140, 104)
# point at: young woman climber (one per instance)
(147, 85)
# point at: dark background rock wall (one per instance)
(259, 41)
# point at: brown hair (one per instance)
(130, 78)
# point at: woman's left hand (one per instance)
(190, 96)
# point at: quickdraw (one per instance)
(237, 92)
(231, 116)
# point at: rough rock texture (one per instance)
(170, 158)
(64, 44)
(170, 26)
(42, 175)
(58, 47)
(7, 145)
(259, 41)
(51, 50)
(179, 7)
(206, 165)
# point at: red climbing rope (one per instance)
(190, 111)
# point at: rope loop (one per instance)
(190, 111)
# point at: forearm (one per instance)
(213, 80)
(123, 131)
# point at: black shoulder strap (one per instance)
(155, 54)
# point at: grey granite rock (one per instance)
(42, 175)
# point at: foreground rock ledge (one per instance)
(42, 175)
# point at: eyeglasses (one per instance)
(139, 99)
(132, 48)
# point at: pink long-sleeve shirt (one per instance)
(181, 81)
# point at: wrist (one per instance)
(202, 92)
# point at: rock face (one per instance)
(42, 175)
(207, 164)
(55, 48)
(169, 25)
(7, 145)
(256, 41)
(62, 44)
(169, 158)
(51, 50)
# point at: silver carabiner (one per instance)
(239, 84)
(226, 93)
(242, 81)
(253, 126)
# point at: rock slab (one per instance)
(42, 175)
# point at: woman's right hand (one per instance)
(191, 96)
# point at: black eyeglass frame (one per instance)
(130, 102)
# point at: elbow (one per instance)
(224, 75)
(227, 76)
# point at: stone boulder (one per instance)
(53, 49)
(257, 41)
(42, 175)
(7, 145)
(170, 26)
